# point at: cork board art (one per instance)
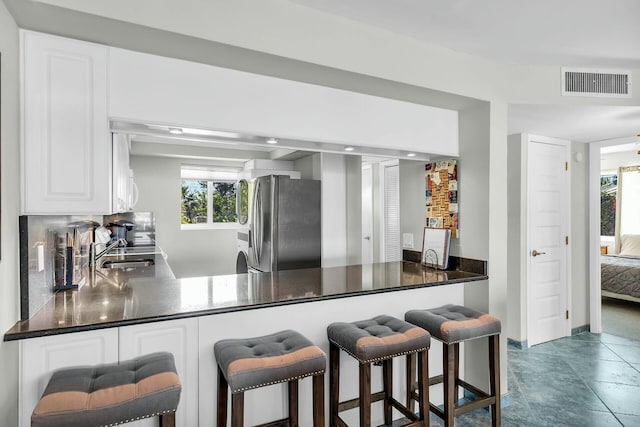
(441, 196)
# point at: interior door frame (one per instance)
(595, 290)
(526, 249)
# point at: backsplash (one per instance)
(41, 271)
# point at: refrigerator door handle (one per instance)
(256, 224)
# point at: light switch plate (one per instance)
(407, 240)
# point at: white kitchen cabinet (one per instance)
(40, 357)
(66, 152)
(125, 191)
(179, 337)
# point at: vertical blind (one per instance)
(392, 213)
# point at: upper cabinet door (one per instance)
(67, 144)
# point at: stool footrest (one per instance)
(376, 397)
(278, 423)
(355, 403)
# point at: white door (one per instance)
(548, 239)
(367, 214)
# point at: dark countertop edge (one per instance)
(199, 313)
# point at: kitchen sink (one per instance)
(128, 263)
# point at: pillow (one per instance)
(630, 245)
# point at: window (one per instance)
(208, 198)
(608, 191)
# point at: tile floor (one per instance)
(583, 380)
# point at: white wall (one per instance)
(334, 213)
(190, 252)
(612, 161)
(412, 201)
(309, 166)
(353, 171)
(10, 201)
(153, 89)
(516, 176)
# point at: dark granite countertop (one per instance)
(142, 295)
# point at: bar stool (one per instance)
(377, 341)
(286, 356)
(453, 324)
(111, 394)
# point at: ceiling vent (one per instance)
(593, 82)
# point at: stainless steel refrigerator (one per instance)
(284, 223)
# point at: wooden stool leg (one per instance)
(411, 378)
(223, 393)
(365, 394)
(237, 410)
(456, 366)
(334, 383)
(448, 366)
(168, 420)
(423, 386)
(293, 403)
(494, 378)
(387, 376)
(318, 400)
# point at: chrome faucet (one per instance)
(94, 257)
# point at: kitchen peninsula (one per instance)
(105, 321)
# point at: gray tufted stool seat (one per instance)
(249, 363)
(377, 340)
(111, 394)
(453, 324)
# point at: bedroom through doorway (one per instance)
(620, 239)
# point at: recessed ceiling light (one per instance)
(411, 155)
(348, 148)
(175, 131)
(272, 141)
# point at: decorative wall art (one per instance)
(441, 196)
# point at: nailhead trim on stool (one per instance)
(453, 324)
(378, 340)
(110, 394)
(249, 363)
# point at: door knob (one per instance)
(536, 253)
(367, 238)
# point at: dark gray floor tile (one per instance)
(630, 353)
(530, 363)
(574, 350)
(619, 398)
(572, 416)
(606, 371)
(636, 365)
(614, 339)
(585, 336)
(560, 393)
(629, 420)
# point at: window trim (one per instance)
(209, 175)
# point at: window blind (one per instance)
(392, 213)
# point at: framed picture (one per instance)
(435, 247)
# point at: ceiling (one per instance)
(593, 33)
(579, 33)
(582, 123)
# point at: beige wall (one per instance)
(10, 199)
(190, 252)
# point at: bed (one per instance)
(620, 274)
